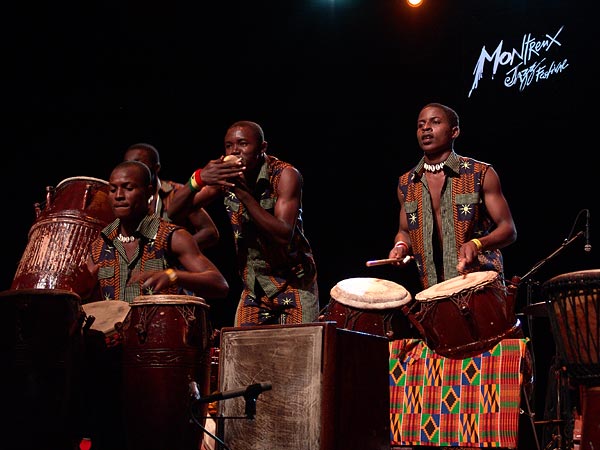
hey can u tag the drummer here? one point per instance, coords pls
(139, 253)
(465, 220)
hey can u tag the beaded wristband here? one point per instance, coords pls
(196, 182)
(172, 275)
(400, 244)
(478, 244)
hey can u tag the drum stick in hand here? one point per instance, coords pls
(380, 262)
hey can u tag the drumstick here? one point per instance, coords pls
(380, 262)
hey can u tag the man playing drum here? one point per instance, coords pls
(138, 254)
(454, 217)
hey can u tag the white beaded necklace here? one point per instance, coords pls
(125, 239)
(434, 168)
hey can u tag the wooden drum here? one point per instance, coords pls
(369, 305)
(66, 223)
(574, 311)
(465, 315)
(166, 346)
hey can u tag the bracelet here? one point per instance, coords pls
(400, 244)
(196, 182)
(172, 275)
(478, 244)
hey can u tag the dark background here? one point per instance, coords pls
(337, 86)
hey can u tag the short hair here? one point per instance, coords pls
(258, 131)
(150, 149)
(144, 170)
(451, 115)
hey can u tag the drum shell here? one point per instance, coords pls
(166, 345)
(41, 347)
(390, 323)
(73, 215)
(467, 323)
(574, 311)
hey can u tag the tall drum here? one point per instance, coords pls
(574, 311)
(166, 346)
(71, 217)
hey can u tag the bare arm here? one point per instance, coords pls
(215, 175)
(200, 274)
(206, 234)
(400, 251)
(503, 234)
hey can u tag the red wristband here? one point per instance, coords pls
(196, 182)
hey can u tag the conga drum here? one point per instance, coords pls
(465, 315)
(166, 346)
(40, 349)
(574, 311)
(107, 317)
(369, 305)
(71, 217)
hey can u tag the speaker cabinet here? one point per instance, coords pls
(330, 388)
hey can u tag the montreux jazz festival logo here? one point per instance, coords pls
(532, 64)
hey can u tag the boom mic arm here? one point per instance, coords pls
(250, 394)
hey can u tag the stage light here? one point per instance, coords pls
(414, 3)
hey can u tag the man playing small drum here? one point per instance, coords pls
(454, 217)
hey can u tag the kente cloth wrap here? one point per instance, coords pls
(279, 281)
(438, 401)
(464, 217)
(153, 237)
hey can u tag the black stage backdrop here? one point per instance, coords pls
(337, 85)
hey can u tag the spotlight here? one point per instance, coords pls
(414, 3)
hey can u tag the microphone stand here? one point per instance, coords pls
(526, 277)
(250, 394)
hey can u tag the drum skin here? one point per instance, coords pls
(107, 317)
(71, 218)
(166, 345)
(466, 315)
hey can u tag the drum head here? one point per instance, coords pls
(455, 285)
(71, 179)
(106, 313)
(167, 300)
(370, 293)
(567, 281)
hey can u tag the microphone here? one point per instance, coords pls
(250, 391)
(587, 247)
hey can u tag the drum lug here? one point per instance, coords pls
(141, 333)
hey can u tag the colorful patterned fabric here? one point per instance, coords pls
(280, 282)
(463, 215)
(115, 269)
(438, 401)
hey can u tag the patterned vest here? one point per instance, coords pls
(274, 267)
(464, 217)
(154, 235)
